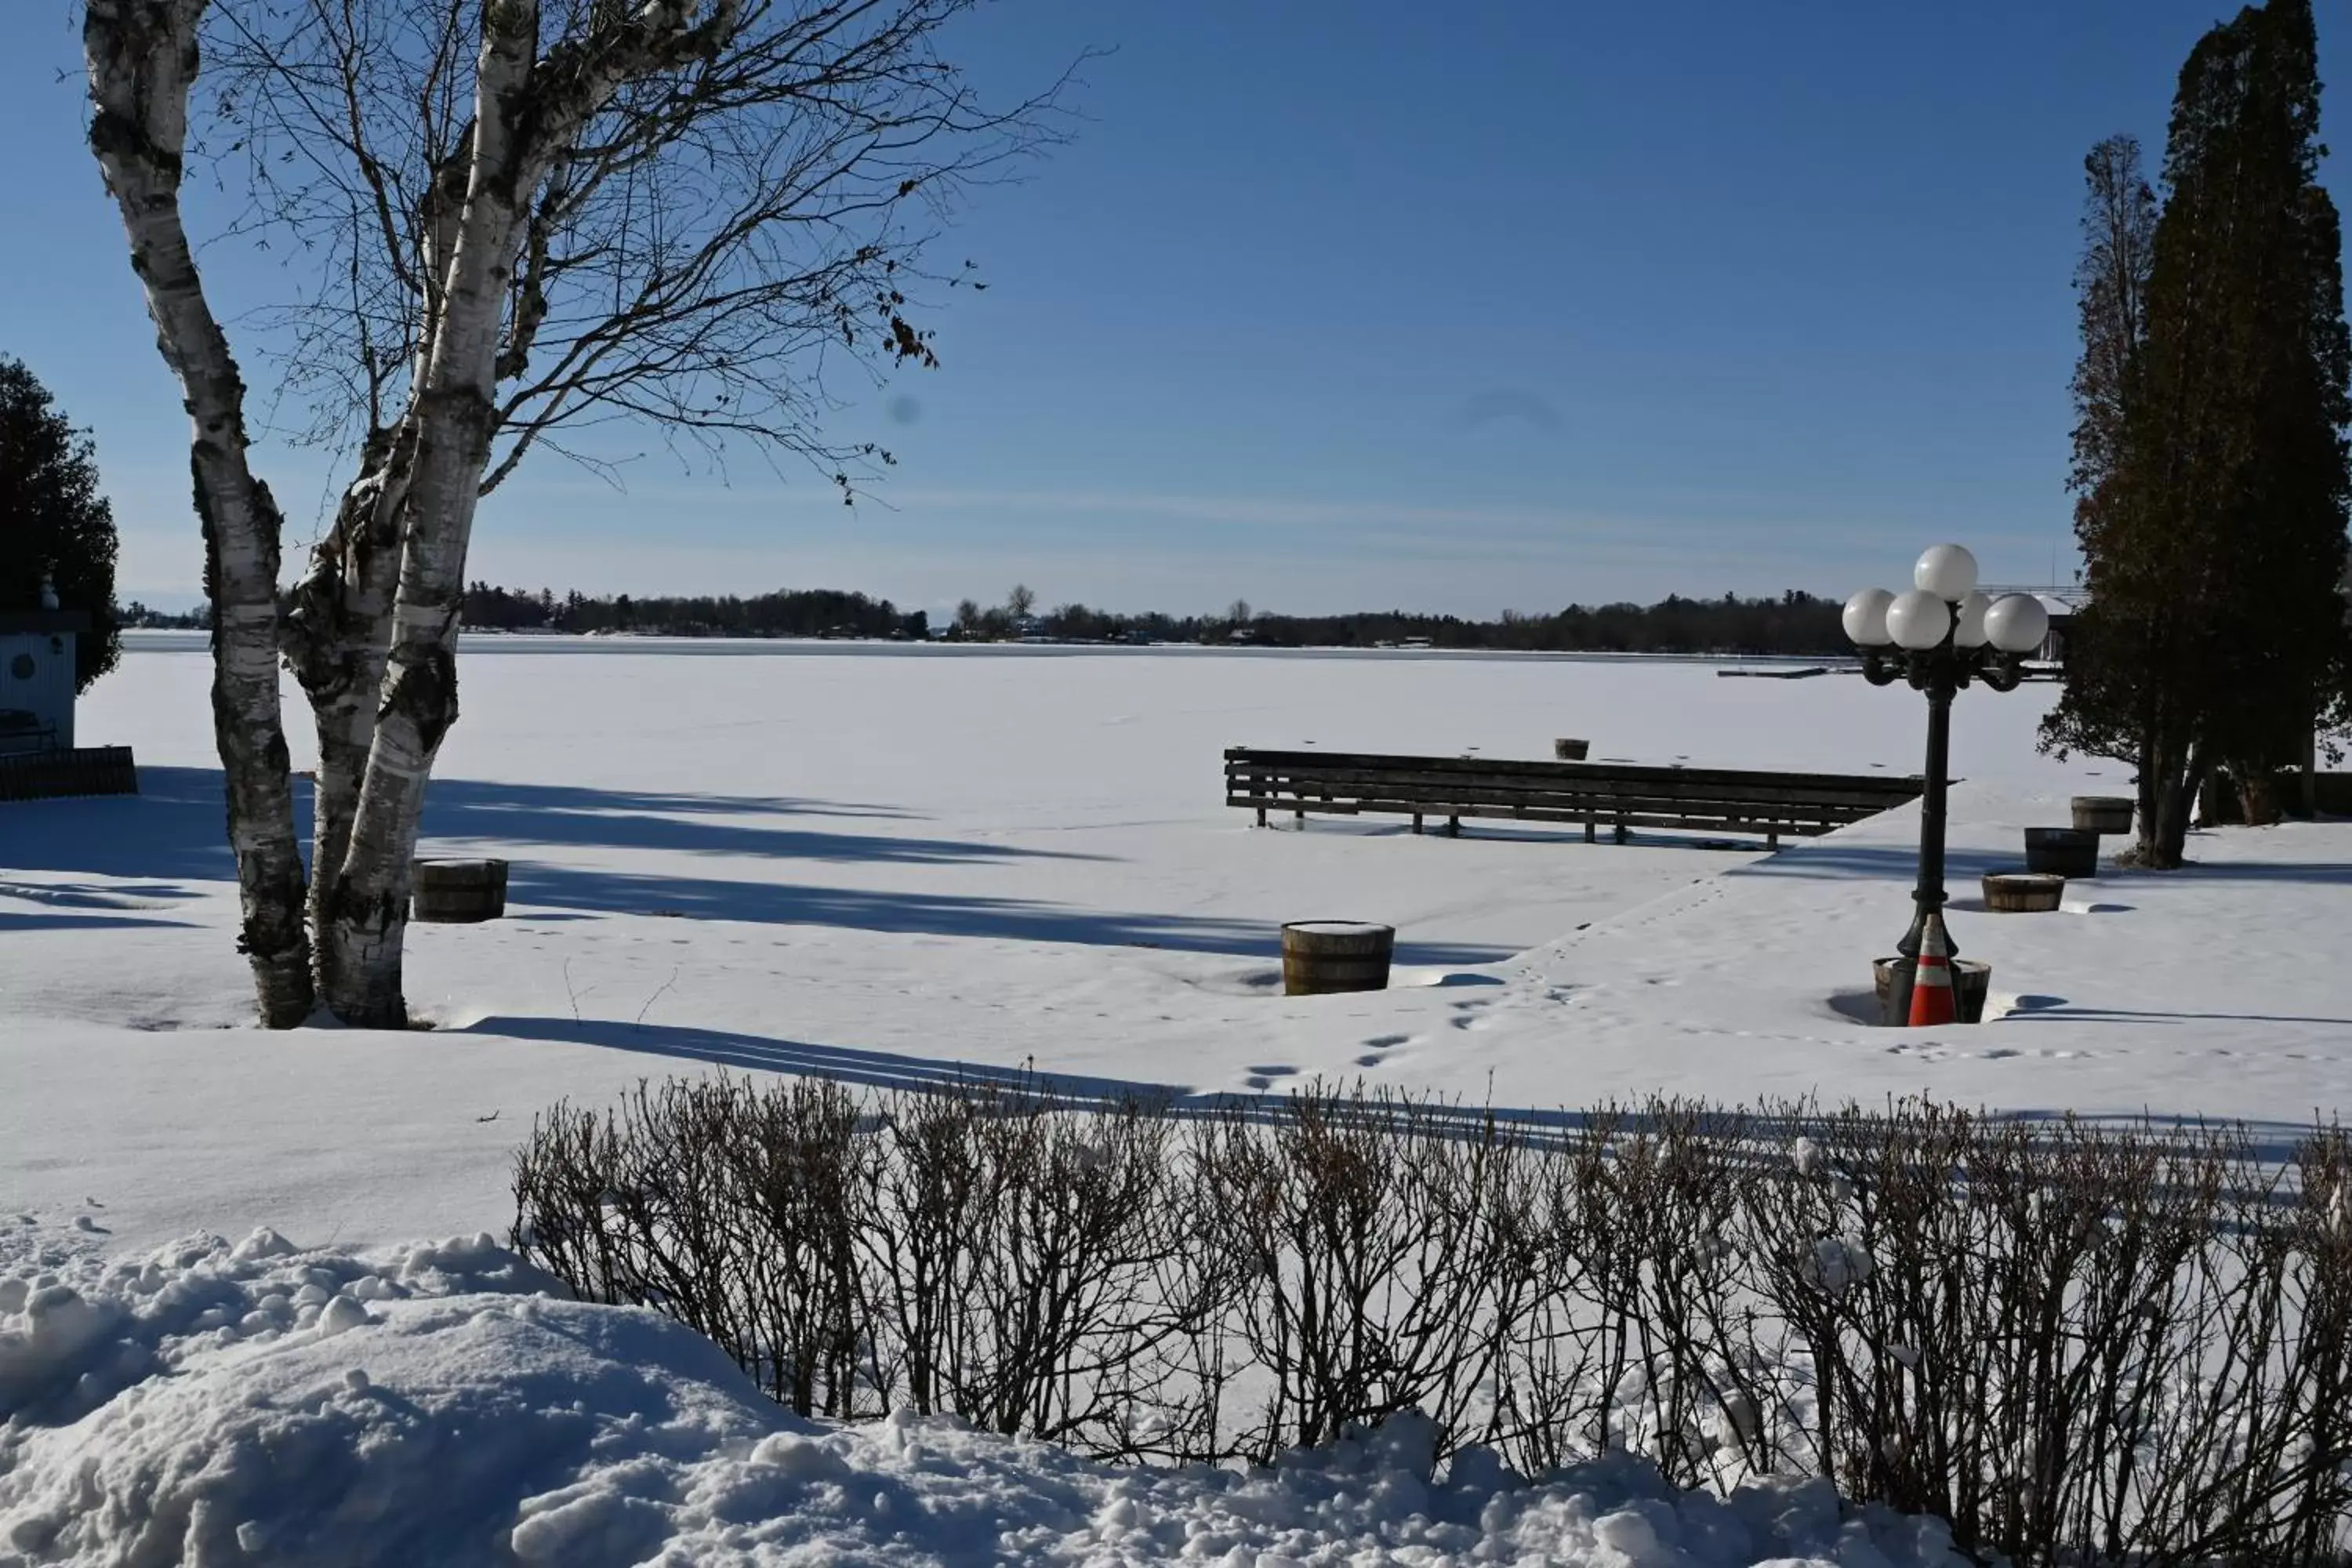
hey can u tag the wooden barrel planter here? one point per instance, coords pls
(457, 892)
(2103, 813)
(1569, 750)
(1319, 957)
(2062, 851)
(1971, 980)
(2023, 892)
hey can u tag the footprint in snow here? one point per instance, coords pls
(1382, 1042)
(1467, 1013)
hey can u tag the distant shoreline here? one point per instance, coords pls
(139, 641)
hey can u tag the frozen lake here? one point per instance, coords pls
(891, 863)
(1046, 793)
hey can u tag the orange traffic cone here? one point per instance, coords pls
(1931, 976)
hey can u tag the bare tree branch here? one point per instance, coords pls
(717, 191)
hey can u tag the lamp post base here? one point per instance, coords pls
(1971, 983)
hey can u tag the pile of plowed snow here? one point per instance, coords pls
(258, 1403)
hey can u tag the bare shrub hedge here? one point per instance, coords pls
(2076, 1343)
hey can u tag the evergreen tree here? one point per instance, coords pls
(53, 524)
(2108, 706)
(2211, 452)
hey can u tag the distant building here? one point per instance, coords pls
(36, 679)
(38, 755)
(2062, 605)
(2061, 625)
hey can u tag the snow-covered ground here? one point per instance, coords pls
(891, 864)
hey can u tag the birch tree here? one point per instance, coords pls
(521, 219)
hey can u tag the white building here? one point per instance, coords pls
(36, 679)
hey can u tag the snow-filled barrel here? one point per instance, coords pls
(1319, 957)
(2103, 812)
(457, 892)
(2023, 892)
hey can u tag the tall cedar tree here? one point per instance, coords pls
(2209, 450)
(2109, 707)
(52, 522)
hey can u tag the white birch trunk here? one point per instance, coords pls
(142, 59)
(453, 411)
(522, 125)
(337, 639)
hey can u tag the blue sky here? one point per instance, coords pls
(1351, 304)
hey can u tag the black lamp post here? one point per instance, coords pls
(1940, 636)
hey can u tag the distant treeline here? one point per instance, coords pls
(1793, 623)
(806, 613)
(136, 613)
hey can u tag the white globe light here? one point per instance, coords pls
(2017, 623)
(1970, 631)
(1865, 618)
(1918, 619)
(1947, 571)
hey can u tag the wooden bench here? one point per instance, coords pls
(21, 731)
(1618, 796)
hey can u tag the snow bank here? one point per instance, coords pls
(261, 1404)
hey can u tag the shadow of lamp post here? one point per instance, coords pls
(1943, 634)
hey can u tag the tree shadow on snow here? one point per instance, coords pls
(892, 1070)
(96, 895)
(174, 829)
(176, 826)
(12, 922)
(1499, 830)
(925, 914)
(1829, 857)
(1766, 1138)
(524, 813)
(2140, 1015)
(842, 1064)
